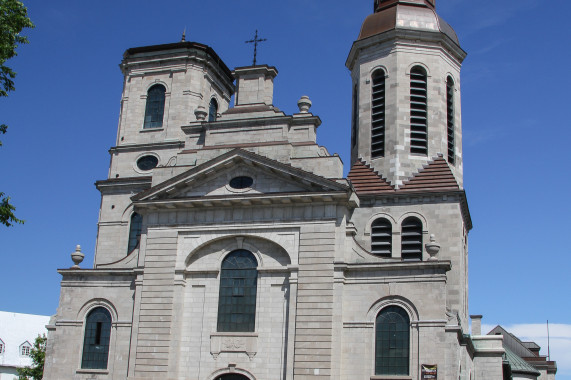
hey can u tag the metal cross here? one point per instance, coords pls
(255, 42)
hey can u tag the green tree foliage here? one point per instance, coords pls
(38, 355)
(13, 18)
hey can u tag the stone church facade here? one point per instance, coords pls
(232, 247)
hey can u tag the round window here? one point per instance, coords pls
(146, 163)
(241, 182)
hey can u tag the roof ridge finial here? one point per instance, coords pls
(183, 39)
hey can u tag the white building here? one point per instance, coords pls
(17, 335)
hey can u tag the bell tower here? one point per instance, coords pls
(405, 69)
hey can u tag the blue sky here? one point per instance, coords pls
(515, 87)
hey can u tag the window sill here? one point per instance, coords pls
(93, 371)
(144, 130)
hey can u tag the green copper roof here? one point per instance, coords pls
(519, 365)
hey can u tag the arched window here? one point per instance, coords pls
(96, 339)
(450, 119)
(381, 237)
(411, 239)
(355, 126)
(212, 110)
(155, 107)
(232, 376)
(238, 287)
(378, 115)
(392, 342)
(418, 111)
(135, 228)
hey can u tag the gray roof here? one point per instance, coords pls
(518, 365)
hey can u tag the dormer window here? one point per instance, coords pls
(2, 347)
(418, 111)
(155, 108)
(212, 110)
(25, 349)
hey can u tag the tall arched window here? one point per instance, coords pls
(135, 228)
(238, 287)
(378, 115)
(96, 339)
(411, 239)
(450, 119)
(418, 111)
(355, 122)
(212, 110)
(381, 237)
(392, 342)
(155, 107)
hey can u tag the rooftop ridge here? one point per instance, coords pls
(366, 180)
(433, 176)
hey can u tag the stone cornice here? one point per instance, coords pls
(143, 147)
(251, 121)
(403, 34)
(395, 265)
(249, 200)
(122, 183)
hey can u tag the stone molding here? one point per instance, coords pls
(241, 342)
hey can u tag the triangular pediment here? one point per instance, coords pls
(213, 180)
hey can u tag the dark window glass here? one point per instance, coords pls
(381, 237)
(450, 119)
(135, 232)
(241, 182)
(392, 341)
(411, 239)
(155, 107)
(212, 110)
(355, 127)
(147, 162)
(418, 111)
(96, 339)
(378, 115)
(238, 288)
(232, 376)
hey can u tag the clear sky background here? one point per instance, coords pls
(515, 100)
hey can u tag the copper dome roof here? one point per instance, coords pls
(405, 14)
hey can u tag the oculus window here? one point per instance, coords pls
(147, 163)
(238, 289)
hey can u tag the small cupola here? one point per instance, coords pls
(381, 4)
(255, 84)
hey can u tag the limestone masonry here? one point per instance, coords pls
(230, 246)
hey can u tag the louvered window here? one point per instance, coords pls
(392, 342)
(155, 107)
(238, 288)
(354, 126)
(378, 115)
(450, 118)
(418, 112)
(411, 239)
(96, 339)
(381, 237)
(213, 110)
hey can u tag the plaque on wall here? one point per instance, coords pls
(429, 372)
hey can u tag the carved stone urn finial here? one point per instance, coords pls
(304, 104)
(432, 248)
(200, 113)
(77, 257)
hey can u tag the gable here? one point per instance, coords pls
(212, 179)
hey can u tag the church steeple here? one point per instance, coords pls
(405, 67)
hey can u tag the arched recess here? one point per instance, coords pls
(400, 301)
(231, 373)
(377, 216)
(94, 303)
(267, 251)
